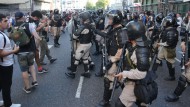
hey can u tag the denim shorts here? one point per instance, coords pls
(25, 59)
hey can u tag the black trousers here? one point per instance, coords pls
(6, 73)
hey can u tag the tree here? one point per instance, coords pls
(89, 5)
(102, 3)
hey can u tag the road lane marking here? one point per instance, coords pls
(79, 89)
(50, 46)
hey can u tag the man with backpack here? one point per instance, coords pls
(6, 64)
(27, 51)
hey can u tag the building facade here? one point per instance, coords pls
(74, 5)
(165, 6)
(11, 6)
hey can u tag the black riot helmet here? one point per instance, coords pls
(168, 21)
(99, 11)
(172, 14)
(135, 29)
(116, 16)
(159, 18)
(56, 11)
(85, 17)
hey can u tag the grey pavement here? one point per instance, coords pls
(56, 90)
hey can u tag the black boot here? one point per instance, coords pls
(182, 84)
(55, 43)
(105, 102)
(107, 94)
(72, 62)
(91, 67)
(72, 73)
(86, 73)
(58, 40)
(171, 72)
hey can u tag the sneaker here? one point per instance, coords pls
(27, 90)
(52, 60)
(15, 105)
(1, 103)
(35, 83)
(43, 70)
(40, 72)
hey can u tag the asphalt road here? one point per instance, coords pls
(56, 90)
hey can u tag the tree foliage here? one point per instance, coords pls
(102, 3)
(89, 5)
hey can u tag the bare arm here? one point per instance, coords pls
(4, 53)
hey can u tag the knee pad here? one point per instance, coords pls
(118, 103)
(85, 61)
(76, 62)
(106, 83)
(182, 81)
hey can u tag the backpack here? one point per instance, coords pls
(146, 90)
(19, 36)
(3, 45)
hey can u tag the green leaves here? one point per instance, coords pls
(100, 4)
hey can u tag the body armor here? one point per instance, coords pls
(84, 34)
(142, 54)
(170, 36)
(113, 44)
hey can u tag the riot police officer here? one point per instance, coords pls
(114, 49)
(155, 31)
(56, 24)
(100, 26)
(184, 79)
(168, 43)
(136, 64)
(126, 17)
(84, 34)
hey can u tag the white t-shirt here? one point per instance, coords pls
(180, 20)
(7, 60)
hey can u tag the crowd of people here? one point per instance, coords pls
(131, 45)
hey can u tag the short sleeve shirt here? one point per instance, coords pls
(7, 60)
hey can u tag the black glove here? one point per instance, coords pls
(108, 65)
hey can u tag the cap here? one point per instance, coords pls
(19, 15)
